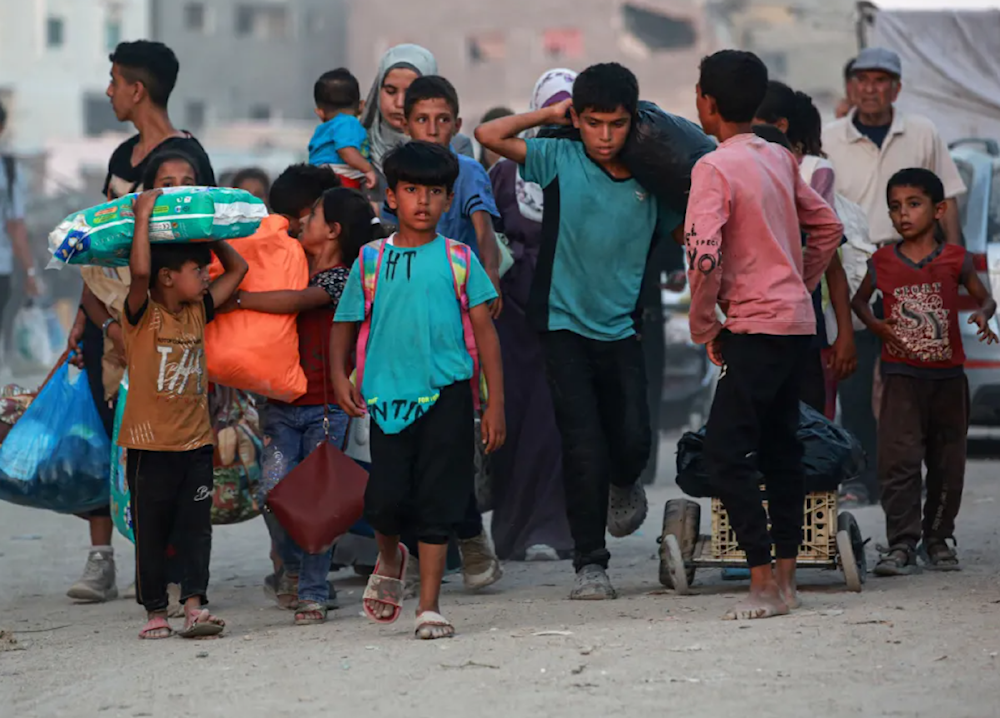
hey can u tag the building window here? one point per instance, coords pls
(54, 32)
(657, 31)
(98, 115)
(487, 47)
(777, 63)
(563, 43)
(194, 17)
(112, 34)
(195, 113)
(260, 113)
(264, 22)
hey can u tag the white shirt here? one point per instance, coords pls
(863, 170)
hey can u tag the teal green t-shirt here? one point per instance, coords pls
(596, 238)
(416, 346)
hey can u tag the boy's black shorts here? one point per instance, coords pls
(422, 477)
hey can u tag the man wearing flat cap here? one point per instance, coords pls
(867, 147)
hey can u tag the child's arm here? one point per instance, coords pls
(494, 423)
(707, 214)
(987, 306)
(285, 301)
(140, 261)
(861, 304)
(342, 339)
(844, 361)
(489, 252)
(823, 229)
(353, 158)
(235, 270)
(501, 135)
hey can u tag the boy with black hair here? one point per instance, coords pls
(749, 207)
(166, 426)
(598, 229)
(432, 115)
(341, 142)
(296, 190)
(925, 395)
(414, 377)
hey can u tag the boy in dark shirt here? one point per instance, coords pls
(925, 396)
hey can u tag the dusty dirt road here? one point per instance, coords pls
(926, 645)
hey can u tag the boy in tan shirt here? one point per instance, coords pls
(166, 425)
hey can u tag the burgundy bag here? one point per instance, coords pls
(323, 497)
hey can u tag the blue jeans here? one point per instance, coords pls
(290, 435)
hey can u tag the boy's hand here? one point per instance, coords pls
(349, 397)
(885, 332)
(371, 179)
(493, 428)
(844, 361)
(75, 335)
(142, 205)
(714, 348)
(559, 113)
(986, 334)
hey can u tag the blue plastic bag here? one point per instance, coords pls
(57, 455)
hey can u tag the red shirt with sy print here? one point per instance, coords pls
(922, 298)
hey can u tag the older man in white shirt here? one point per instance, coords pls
(867, 147)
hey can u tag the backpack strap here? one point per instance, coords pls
(460, 259)
(10, 174)
(370, 265)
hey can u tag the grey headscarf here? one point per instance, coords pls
(382, 137)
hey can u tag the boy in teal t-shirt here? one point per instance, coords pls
(417, 380)
(596, 239)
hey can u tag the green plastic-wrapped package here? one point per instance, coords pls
(102, 235)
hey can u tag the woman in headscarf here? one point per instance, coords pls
(529, 511)
(383, 114)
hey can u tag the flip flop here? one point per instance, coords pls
(387, 590)
(428, 621)
(307, 607)
(156, 624)
(204, 625)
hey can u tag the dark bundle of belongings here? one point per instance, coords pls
(831, 455)
(660, 152)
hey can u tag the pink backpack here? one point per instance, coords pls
(459, 258)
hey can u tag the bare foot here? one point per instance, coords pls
(156, 628)
(761, 603)
(390, 568)
(784, 576)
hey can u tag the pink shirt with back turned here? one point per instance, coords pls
(746, 215)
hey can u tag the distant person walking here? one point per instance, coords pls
(867, 147)
(13, 231)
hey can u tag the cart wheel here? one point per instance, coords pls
(851, 551)
(675, 565)
(681, 519)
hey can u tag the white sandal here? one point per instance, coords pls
(428, 621)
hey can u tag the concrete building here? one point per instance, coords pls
(248, 59)
(54, 64)
(494, 52)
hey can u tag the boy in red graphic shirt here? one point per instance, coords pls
(925, 396)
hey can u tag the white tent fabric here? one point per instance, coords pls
(951, 65)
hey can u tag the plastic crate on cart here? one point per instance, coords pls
(819, 531)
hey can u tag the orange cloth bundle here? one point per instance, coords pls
(252, 351)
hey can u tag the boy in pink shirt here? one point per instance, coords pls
(743, 231)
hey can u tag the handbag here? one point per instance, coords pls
(324, 496)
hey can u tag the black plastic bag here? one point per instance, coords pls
(831, 455)
(660, 152)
